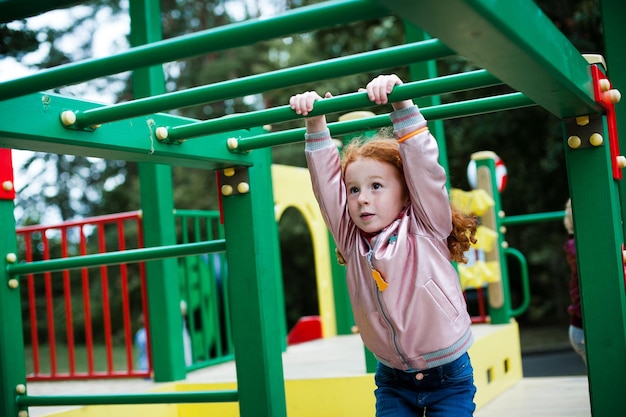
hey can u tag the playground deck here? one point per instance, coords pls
(343, 356)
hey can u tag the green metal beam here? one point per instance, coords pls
(249, 32)
(32, 123)
(516, 42)
(259, 83)
(11, 10)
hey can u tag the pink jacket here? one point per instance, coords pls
(420, 321)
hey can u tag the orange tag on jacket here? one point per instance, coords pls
(380, 282)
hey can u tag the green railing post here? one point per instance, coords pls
(157, 205)
(254, 270)
(599, 239)
(12, 362)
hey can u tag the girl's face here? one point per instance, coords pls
(375, 193)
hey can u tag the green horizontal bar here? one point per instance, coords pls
(332, 68)
(111, 399)
(439, 85)
(213, 214)
(533, 218)
(441, 112)
(11, 10)
(478, 106)
(115, 258)
(303, 19)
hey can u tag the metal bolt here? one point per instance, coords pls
(574, 142)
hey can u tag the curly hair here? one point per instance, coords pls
(382, 147)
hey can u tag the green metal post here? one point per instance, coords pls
(599, 238)
(426, 71)
(12, 363)
(157, 205)
(343, 309)
(254, 268)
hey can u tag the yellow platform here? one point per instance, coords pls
(323, 378)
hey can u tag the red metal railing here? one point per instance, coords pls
(94, 235)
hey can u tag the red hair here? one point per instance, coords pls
(382, 147)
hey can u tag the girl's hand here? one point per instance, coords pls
(380, 87)
(303, 103)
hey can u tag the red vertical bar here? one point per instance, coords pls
(49, 306)
(144, 293)
(106, 308)
(481, 304)
(67, 292)
(125, 303)
(32, 306)
(87, 305)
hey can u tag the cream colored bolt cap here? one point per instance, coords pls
(604, 84)
(614, 96)
(227, 189)
(243, 187)
(574, 142)
(229, 172)
(596, 139)
(13, 283)
(68, 118)
(7, 185)
(162, 133)
(582, 120)
(11, 258)
(232, 143)
(621, 161)
(20, 388)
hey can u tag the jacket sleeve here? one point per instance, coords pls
(325, 169)
(425, 177)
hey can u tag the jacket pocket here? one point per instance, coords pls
(441, 299)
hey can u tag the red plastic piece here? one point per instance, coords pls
(306, 329)
(603, 99)
(6, 175)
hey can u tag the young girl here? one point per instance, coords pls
(387, 208)
(576, 332)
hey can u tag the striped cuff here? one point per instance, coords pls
(318, 140)
(409, 117)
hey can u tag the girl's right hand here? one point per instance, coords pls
(303, 103)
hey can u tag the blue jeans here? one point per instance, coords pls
(577, 340)
(444, 391)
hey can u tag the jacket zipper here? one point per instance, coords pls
(370, 253)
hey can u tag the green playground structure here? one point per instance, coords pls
(513, 42)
